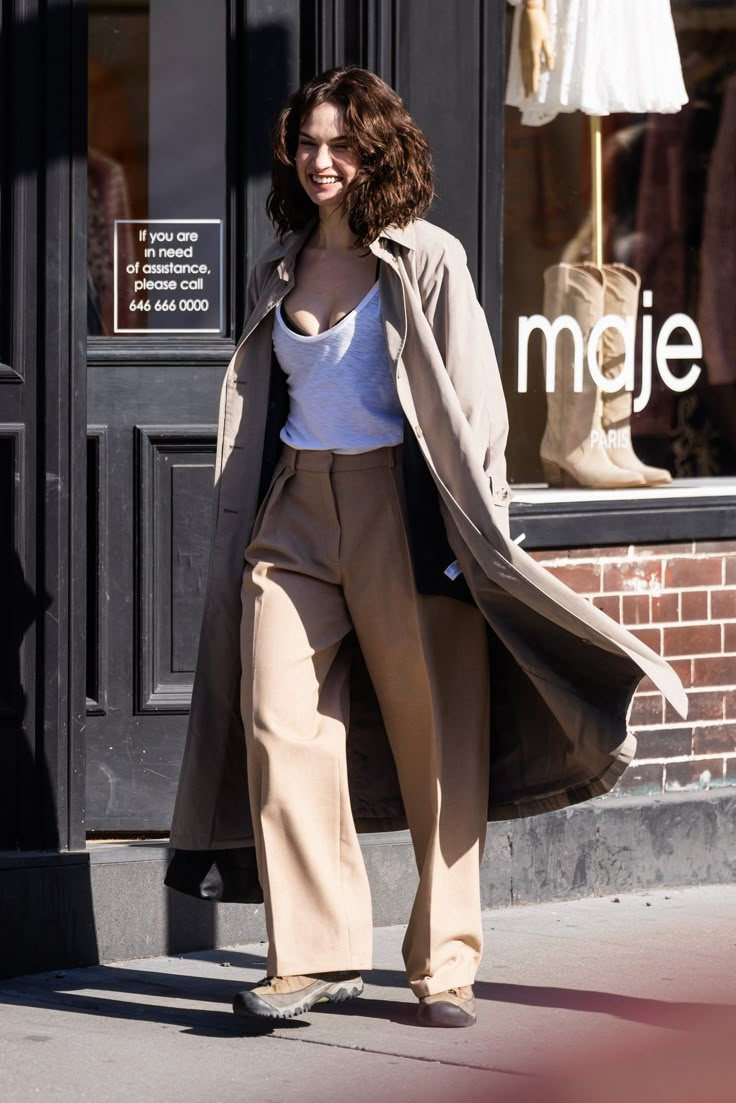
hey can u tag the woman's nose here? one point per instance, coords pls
(322, 158)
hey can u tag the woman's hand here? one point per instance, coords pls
(534, 44)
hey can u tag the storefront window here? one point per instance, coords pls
(156, 166)
(650, 392)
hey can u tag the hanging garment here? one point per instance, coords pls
(107, 195)
(716, 320)
(609, 56)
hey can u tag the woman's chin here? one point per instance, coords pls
(327, 204)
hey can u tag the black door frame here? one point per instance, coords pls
(42, 409)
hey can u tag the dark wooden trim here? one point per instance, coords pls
(151, 694)
(77, 510)
(379, 38)
(644, 520)
(16, 646)
(98, 555)
(51, 152)
(157, 350)
(15, 432)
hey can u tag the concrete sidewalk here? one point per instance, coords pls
(589, 1000)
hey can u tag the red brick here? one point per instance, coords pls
(584, 578)
(687, 775)
(723, 604)
(730, 778)
(729, 638)
(704, 705)
(683, 668)
(579, 553)
(729, 704)
(665, 607)
(690, 573)
(634, 576)
(665, 742)
(609, 604)
(635, 608)
(730, 577)
(692, 639)
(641, 779)
(714, 738)
(666, 549)
(550, 553)
(598, 553)
(694, 605)
(652, 637)
(707, 547)
(718, 670)
(647, 709)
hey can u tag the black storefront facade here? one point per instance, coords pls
(107, 414)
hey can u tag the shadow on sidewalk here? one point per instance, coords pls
(94, 991)
(673, 1014)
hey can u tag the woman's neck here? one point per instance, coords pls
(333, 233)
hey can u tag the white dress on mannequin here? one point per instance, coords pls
(610, 55)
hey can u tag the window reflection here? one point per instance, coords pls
(156, 127)
(670, 217)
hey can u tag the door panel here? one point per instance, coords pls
(149, 536)
(175, 472)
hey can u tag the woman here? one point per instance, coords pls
(386, 411)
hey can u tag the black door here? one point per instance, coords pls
(181, 97)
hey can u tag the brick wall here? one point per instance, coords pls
(681, 600)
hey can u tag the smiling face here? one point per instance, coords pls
(325, 164)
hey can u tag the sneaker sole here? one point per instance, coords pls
(249, 1006)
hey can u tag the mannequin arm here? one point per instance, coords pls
(534, 44)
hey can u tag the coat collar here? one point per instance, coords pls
(285, 249)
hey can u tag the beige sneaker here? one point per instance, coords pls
(284, 997)
(456, 1007)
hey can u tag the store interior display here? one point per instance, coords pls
(621, 299)
(662, 221)
(571, 450)
(117, 157)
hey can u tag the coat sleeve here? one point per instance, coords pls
(253, 290)
(461, 332)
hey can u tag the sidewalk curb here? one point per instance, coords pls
(109, 903)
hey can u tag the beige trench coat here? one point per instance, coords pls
(562, 673)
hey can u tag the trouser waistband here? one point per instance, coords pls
(309, 459)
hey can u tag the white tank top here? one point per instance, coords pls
(341, 387)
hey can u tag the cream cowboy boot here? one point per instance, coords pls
(573, 451)
(622, 298)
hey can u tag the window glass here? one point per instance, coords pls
(652, 391)
(156, 166)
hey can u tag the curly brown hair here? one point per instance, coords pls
(394, 182)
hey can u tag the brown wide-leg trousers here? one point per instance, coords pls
(329, 553)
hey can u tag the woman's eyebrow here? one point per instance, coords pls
(336, 138)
